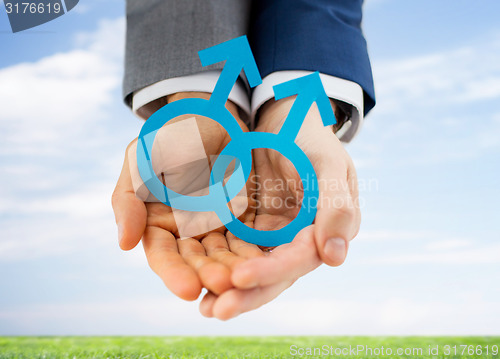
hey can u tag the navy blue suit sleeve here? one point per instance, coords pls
(313, 35)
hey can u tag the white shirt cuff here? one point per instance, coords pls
(200, 82)
(335, 88)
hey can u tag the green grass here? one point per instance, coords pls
(236, 347)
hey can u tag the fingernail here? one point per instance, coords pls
(120, 233)
(335, 249)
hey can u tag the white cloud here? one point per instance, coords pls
(448, 244)
(480, 255)
(47, 105)
(393, 315)
(48, 226)
(59, 162)
(413, 247)
(157, 315)
(435, 108)
(391, 235)
(452, 77)
(82, 9)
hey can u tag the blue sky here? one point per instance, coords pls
(427, 259)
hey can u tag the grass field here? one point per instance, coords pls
(248, 347)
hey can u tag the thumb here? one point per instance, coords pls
(337, 220)
(130, 211)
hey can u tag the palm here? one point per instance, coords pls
(197, 241)
(182, 155)
(277, 202)
(260, 280)
(187, 250)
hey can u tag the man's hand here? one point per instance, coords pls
(185, 265)
(260, 280)
(218, 260)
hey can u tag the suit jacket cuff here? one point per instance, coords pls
(199, 82)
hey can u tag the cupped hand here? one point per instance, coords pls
(187, 251)
(260, 280)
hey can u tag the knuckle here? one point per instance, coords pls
(347, 211)
(132, 143)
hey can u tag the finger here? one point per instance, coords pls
(337, 220)
(165, 260)
(130, 212)
(335, 227)
(352, 181)
(242, 248)
(217, 248)
(286, 262)
(207, 304)
(229, 250)
(215, 276)
(237, 301)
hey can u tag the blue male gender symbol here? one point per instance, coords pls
(238, 56)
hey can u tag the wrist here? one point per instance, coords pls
(147, 110)
(273, 113)
(231, 106)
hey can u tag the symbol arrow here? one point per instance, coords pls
(238, 56)
(309, 90)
